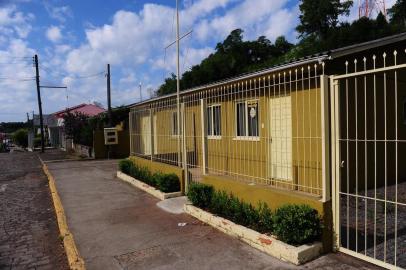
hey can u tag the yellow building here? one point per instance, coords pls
(328, 130)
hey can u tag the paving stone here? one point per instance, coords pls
(28, 229)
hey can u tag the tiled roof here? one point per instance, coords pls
(86, 109)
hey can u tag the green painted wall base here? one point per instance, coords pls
(275, 198)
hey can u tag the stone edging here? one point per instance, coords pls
(265, 243)
(75, 261)
(147, 188)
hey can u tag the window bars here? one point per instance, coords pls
(264, 130)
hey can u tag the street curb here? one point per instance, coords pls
(74, 259)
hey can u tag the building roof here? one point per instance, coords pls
(86, 109)
(319, 57)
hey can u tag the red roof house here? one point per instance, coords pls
(86, 109)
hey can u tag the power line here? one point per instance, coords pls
(73, 77)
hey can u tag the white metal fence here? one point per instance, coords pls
(368, 158)
(270, 129)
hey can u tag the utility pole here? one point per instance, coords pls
(178, 81)
(28, 118)
(109, 95)
(41, 122)
(140, 91)
(177, 41)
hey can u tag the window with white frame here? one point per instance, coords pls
(175, 124)
(247, 118)
(214, 121)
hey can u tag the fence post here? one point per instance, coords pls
(151, 123)
(184, 148)
(325, 138)
(203, 113)
(130, 129)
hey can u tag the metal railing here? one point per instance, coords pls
(268, 130)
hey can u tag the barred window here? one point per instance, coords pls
(247, 118)
(214, 120)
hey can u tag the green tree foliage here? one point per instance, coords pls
(232, 57)
(118, 115)
(398, 14)
(78, 128)
(20, 137)
(319, 17)
(319, 30)
(10, 127)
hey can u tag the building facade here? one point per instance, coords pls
(328, 130)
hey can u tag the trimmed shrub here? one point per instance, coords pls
(200, 194)
(297, 224)
(167, 182)
(125, 165)
(265, 224)
(164, 182)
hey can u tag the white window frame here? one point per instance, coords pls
(246, 137)
(211, 136)
(174, 125)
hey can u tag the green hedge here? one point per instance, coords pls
(293, 224)
(164, 182)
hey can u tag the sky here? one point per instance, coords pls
(76, 39)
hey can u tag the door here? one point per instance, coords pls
(145, 134)
(281, 138)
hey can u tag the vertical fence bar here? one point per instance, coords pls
(203, 112)
(184, 148)
(325, 135)
(151, 123)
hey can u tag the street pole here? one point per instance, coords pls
(178, 81)
(140, 91)
(41, 122)
(109, 95)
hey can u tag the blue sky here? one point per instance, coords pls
(76, 39)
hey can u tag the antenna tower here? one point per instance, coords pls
(371, 8)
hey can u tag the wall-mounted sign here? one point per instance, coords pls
(253, 112)
(110, 136)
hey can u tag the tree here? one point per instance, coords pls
(20, 137)
(169, 86)
(232, 57)
(78, 128)
(318, 17)
(398, 14)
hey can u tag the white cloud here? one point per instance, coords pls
(54, 34)
(59, 13)
(15, 22)
(133, 43)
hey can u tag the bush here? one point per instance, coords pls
(37, 141)
(200, 194)
(265, 224)
(167, 182)
(297, 224)
(125, 166)
(164, 182)
(20, 137)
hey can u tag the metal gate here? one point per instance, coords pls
(368, 132)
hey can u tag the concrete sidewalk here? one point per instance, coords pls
(116, 226)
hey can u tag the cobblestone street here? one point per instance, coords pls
(29, 236)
